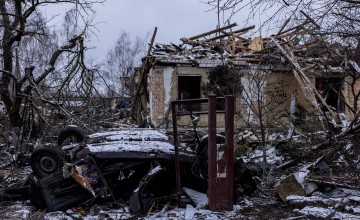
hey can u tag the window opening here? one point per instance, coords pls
(330, 89)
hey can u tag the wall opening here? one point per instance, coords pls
(189, 87)
(330, 89)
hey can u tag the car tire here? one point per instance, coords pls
(76, 133)
(46, 160)
(36, 197)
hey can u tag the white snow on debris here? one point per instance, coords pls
(132, 146)
(354, 198)
(316, 211)
(200, 199)
(345, 123)
(155, 170)
(70, 215)
(326, 213)
(17, 211)
(322, 200)
(129, 134)
(351, 192)
(271, 156)
(354, 209)
(194, 213)
(190, 212)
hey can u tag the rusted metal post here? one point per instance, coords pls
(176, 145)
(212, 151)
(229, 143)
(221, 158)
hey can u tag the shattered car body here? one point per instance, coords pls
(128, 164)
(135, 165)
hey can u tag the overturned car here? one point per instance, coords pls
(135, 165)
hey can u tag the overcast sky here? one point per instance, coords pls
(174, 19)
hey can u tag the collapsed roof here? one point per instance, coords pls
(230, 46)
(298, 50)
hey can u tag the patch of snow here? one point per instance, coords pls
(301, 175)
(316, 211)
(190, 212)
(344, 122)
(340, 215)
(271, 156)
(132, 134)
(354, 209)
(317, 199)
(200, 199)
(132, 146)
(354, 198)
(325, 213)
(17, 211)
(155, 170)
(70, 215)
(351, 192)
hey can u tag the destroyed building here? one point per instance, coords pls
(291, 70)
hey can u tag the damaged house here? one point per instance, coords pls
(291, 73)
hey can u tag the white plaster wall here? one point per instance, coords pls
(150, 95)
(168, 83)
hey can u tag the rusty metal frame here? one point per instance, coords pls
(191, 106)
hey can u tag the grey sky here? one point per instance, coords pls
(174, 19)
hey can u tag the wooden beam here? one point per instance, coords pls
(294, 28)
(306, 87)
(142, 73)
(212, 32)
(237, 32)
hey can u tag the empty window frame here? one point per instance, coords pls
(330, 89)
(189, 87)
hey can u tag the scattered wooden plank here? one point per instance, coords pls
(238, 33)
(310, 93)
(212, 31)
(256, 44)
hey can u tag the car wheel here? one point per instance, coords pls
(73, 133)
(46, 160)
(36, 197)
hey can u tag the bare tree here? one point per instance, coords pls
(338, 18)
(331, 27)
(121, 61)
(263, 100)
(20, 24)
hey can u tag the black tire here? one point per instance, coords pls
(46, 160)
(72, 132)
(36, 196)
(202, 154)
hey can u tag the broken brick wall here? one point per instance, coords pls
(164, 88)
(282, 93)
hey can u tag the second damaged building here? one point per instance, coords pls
(284, 75)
